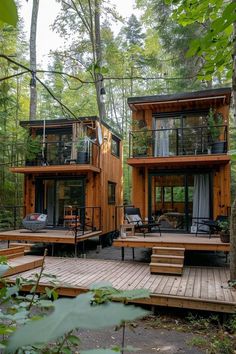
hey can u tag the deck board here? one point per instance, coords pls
(47, 236)
(188, 241)
(197, 288)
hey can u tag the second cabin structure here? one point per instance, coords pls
(73, 167)
(178, 154)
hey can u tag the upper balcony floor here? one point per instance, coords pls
(66, 146)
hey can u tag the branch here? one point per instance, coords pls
(11, 76)
(56, 99)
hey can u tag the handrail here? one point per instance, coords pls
(58, 152)
(86, 217)
(195, 140)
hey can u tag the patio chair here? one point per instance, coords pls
(133, 216)
(213, 225)
(35, 222)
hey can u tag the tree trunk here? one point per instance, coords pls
(233, 209)
(98, 49)
(33, 30)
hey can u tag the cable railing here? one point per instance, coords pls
(11, 217)
(196, 140)
(64, 153)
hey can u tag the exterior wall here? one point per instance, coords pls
(221, 175)
(221, 191)
(96, 186)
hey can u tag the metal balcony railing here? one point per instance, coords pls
(64, 153)
(196, 140)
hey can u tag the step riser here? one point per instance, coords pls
(166, 259)
(168, 252)
(165, 270)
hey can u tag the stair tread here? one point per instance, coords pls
(171, 265)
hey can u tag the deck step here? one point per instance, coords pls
(12, 250)
(27, 246)
(168, 251)
(163, 258)
(15, 255)
(166, 268)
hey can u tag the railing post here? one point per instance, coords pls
(14, 216)
(130, 144)
(177, 142)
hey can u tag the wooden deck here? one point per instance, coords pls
(47, 236)
(188, 241)
(198, 288)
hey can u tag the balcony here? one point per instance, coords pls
(177, 141)
(181, 145)
(62, 156)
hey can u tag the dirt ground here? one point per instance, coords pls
(144, 337)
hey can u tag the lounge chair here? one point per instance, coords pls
(35, 222)
(212, 225)
(133, 216)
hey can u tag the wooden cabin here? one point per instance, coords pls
(178, 152)
(73, 166)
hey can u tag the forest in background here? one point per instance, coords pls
(147, 57)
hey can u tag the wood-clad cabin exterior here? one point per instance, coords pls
(79, 164)
(178, 152)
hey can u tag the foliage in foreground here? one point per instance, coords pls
(33, 324)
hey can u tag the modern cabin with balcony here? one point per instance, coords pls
(73, 166)
(178, 153)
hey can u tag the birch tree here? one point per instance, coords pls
(33, 61)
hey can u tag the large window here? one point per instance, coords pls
(115, 146)
(111, 193)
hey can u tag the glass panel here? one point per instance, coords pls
(168, 201)
(68, 193)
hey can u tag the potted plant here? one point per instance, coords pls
(215, 122)
(33, 148)
(141, 142)
(83, 150)
(224, 227)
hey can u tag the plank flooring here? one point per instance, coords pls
(188, 241)
(198, 288)
(46, 236)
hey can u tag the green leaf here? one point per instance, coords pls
(70, 314)
(73, 339)
(8, 12)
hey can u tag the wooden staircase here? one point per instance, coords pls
(167, 260)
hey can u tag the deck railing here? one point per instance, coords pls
(11, 216)
(64, 153)
(85, 219)
(196, 140)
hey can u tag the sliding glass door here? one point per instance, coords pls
(54, 195)
(177, 199)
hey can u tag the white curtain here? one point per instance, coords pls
(161, 147)
(201, 201)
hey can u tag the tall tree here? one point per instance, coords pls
(33, 61)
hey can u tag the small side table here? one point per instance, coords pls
(128, 229)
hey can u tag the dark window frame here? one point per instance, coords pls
(111, 192)
(115, 140)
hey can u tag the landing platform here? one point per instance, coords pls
(47, 236)
(188, 241)
(198, 288)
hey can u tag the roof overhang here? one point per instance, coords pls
(193, 100)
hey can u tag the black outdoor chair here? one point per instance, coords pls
(133, 216)
(213, 225)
